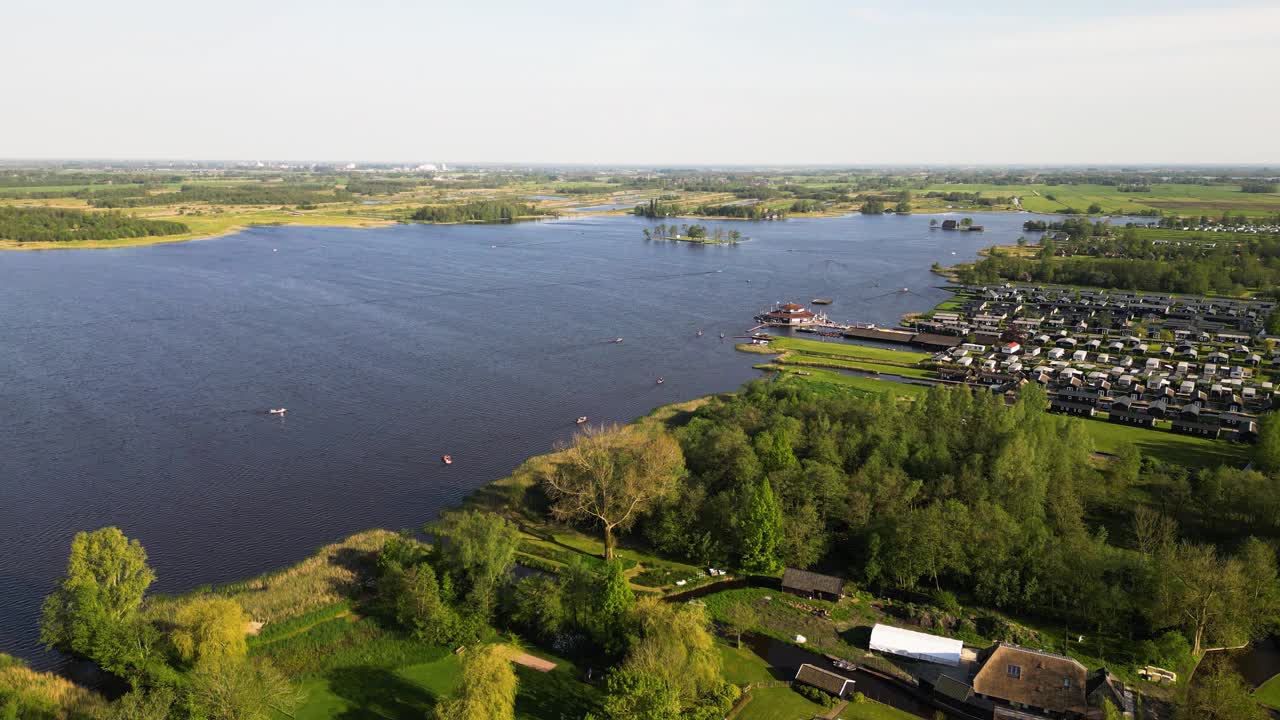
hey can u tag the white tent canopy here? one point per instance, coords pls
(916, 645)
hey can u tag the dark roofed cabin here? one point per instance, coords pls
(824, 680)
(812, 584)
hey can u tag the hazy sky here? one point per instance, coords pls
(784, 81)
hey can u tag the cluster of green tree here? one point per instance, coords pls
(1130, 262)
(247, 194)
(576, 190)
(657, 209)
(41, 224)
(872, 206)
(1258, 187)
(753, 211)
(955, 491)
(1134, 188)
(185, 659)
(970, 198)
(666, 662)
(447, 593)
(380, 186)
(483, 211)
(1075, 228)
(804, 206)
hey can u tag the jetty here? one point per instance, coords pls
(800, 318)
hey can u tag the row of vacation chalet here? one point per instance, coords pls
(1209, 382)
(1036, 308)
(1001, 682)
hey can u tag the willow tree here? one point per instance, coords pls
(92, 609)
(487, 690)
(611, 476)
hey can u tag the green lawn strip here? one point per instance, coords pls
(1188, 450)
(807, 360)
(849, 382)
(276, 632)
(780, 703)
(841, 349)
(1268, 693)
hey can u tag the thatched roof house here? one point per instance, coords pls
(1032, 679)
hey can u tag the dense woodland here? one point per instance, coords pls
(246, 194)
(58, 225)
(1003, 506)
(483, 211)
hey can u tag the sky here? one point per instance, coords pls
(746, 82)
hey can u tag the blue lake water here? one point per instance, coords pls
(135, 381)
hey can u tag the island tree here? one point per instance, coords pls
(93, 612)
(611, 477)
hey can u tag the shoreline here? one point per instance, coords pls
(368, 223)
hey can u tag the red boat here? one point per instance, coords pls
(448, 459)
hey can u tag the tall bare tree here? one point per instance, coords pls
(612, 476)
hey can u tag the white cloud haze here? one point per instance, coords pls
(666, 82)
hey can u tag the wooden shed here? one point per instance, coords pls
(824, 680)
(812, 584)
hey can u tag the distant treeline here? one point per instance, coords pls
(379, 186)
(656, 209)
(484, 211)
(756, 211)
(43, 179)
(1075, 228)
(60, 225)
(970, 198)
(249, 194)
(1258, 187)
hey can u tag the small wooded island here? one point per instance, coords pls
(693, 233)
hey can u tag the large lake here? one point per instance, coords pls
(134, 383)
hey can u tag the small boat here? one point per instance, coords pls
(660, 381)
(721, 336)
(446, 459)
(617, 340)
(699, 333)
(278, 411)
(821, 301)
(581, 419)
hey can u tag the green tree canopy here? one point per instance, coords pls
(96, 601)
(238, 688)
(479, 548)
(487, 690)
(613, 476)
(209, 627)
(761, 529)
